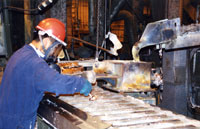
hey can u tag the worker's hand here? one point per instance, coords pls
(87, 87)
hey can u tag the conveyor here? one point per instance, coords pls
(110, 111)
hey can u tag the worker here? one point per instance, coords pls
(27, 77)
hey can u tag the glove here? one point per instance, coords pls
(87, 87)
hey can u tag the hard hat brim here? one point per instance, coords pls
(42, 32)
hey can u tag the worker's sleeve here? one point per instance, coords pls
(48, 79)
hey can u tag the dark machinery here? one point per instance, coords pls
(179, 50)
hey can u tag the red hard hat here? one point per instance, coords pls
(54, 28)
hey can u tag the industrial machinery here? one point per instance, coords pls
(109, 111)
(112, 108)
(179, 46)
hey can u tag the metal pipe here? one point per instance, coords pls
(88, 43)
(105, 27)
(197, 14)
(6, 27)
(116, 10)
(128, 25)
(181, 10)
(98, 29)
(91, 4)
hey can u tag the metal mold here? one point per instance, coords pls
(128, 75)
(121, 75)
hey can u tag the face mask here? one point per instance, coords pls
(52, 52)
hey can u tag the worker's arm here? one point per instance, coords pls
(47, 79)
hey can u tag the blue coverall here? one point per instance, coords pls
(25, 79)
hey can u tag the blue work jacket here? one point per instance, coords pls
(24, 82)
